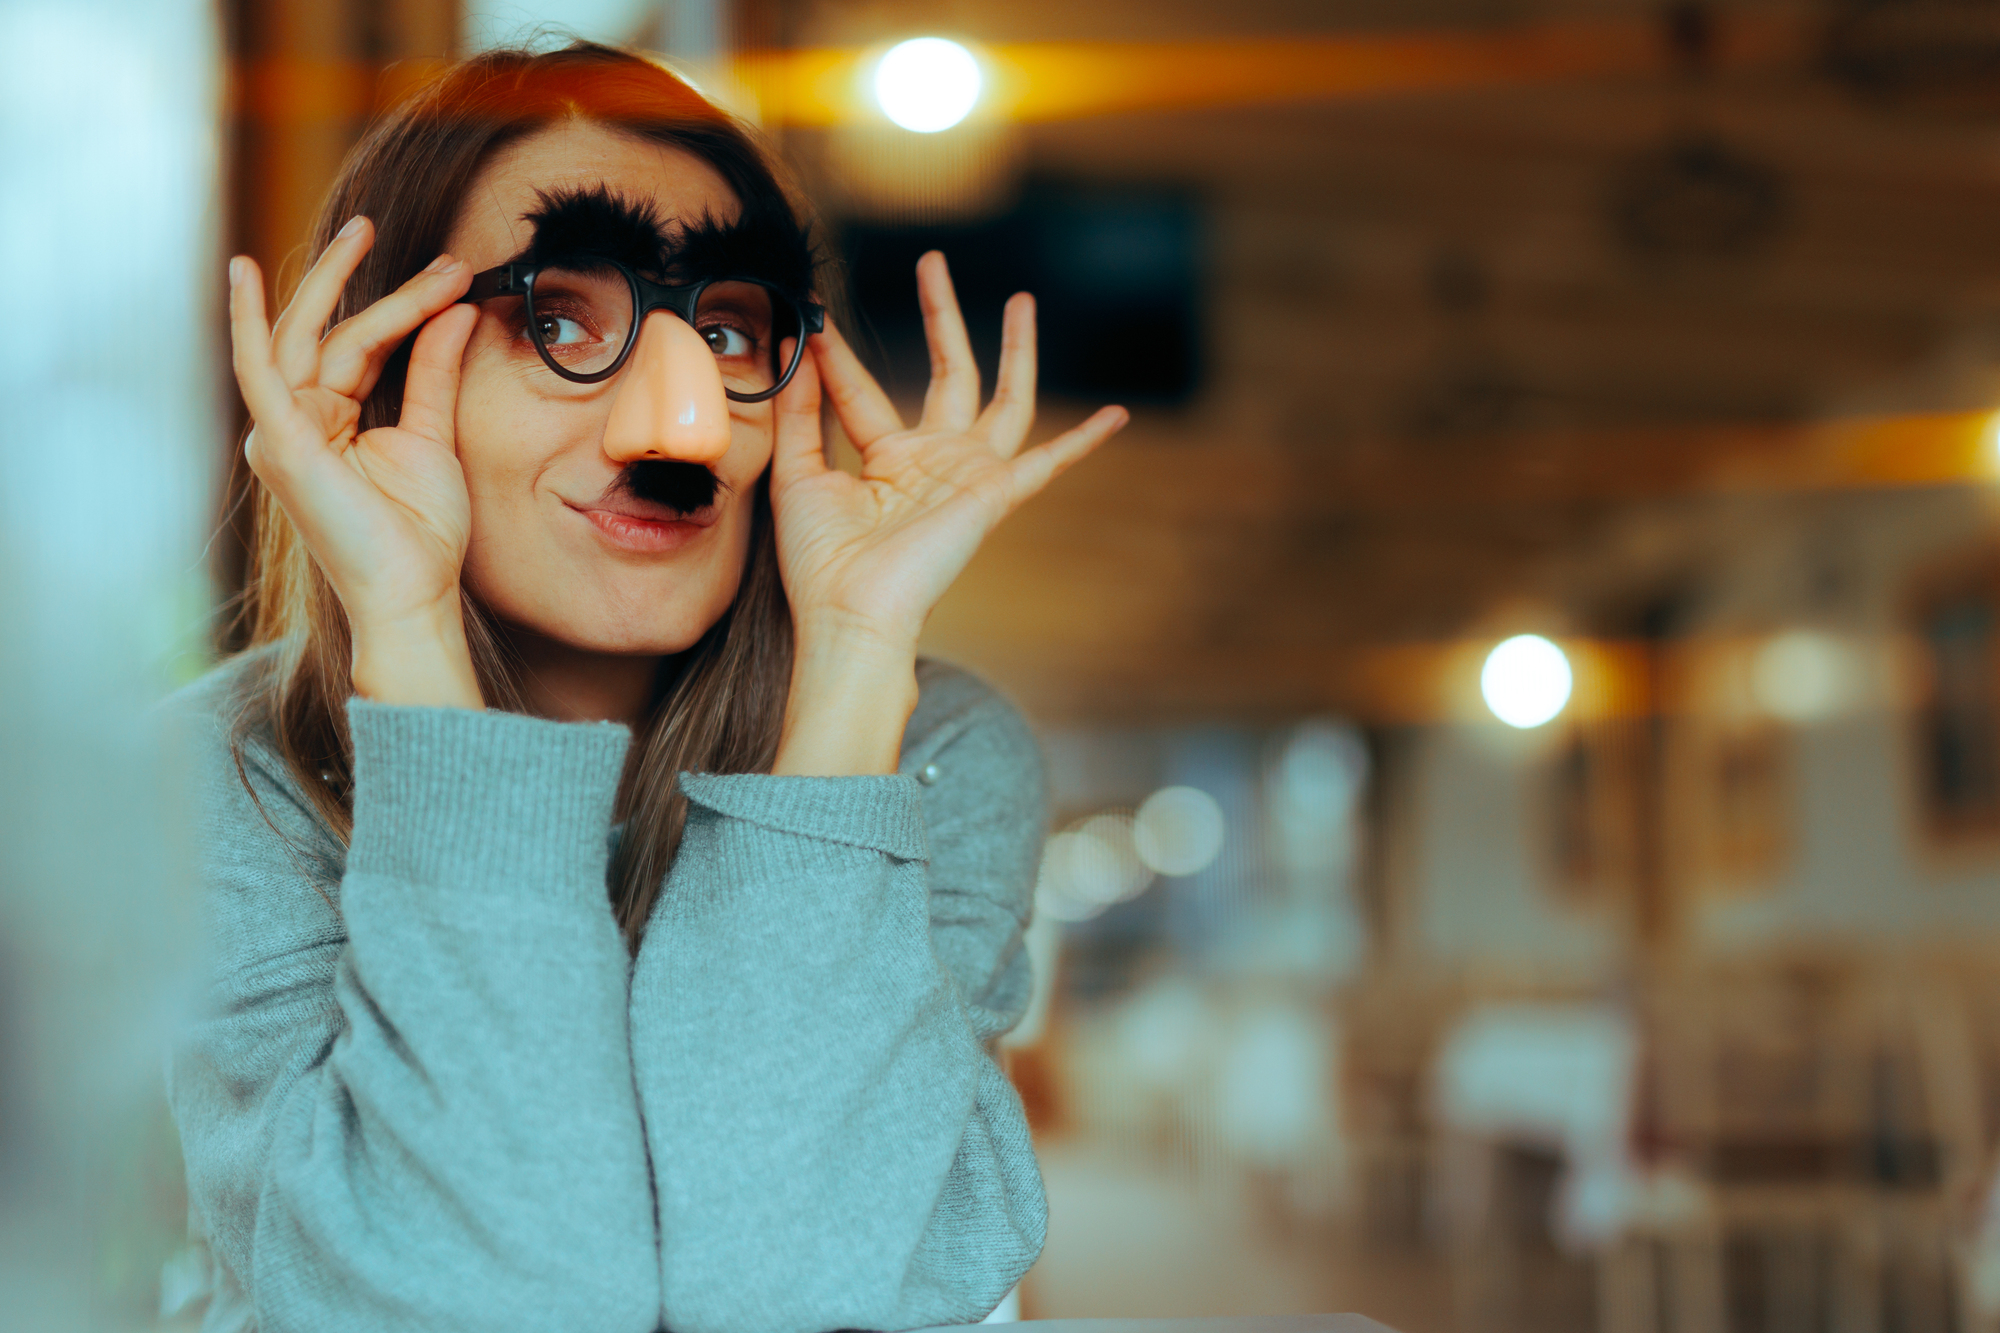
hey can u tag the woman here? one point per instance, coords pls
(564, 597)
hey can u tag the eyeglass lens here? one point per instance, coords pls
(583, 319)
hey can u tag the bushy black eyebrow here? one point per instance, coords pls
(593, 223)
(764, 245)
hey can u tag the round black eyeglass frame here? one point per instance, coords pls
(647, 296)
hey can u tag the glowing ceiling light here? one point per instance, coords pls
(1526, 681)
(927, 84)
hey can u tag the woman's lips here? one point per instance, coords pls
(638, 531)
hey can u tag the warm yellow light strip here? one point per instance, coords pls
(1041, 81)
(1857, 453)
(1936, 450)
(1439, 681)
(820, 86)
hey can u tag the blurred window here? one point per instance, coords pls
(1748, 805)
(1589, 823)
(1959, 722)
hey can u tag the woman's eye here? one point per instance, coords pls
(726, 340)
(559, 332)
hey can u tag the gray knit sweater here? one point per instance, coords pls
(432, 1091)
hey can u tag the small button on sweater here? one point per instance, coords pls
(432, 1090)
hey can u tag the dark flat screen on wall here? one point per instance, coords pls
(1117, 278)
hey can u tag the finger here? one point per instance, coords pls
(265, 392)
(797, 453)
(865, 412)
(952, 402)
(430, 394)
(1005, 422)
(1039, 466)
(352, 356)
(296, 337)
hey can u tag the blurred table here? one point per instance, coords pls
(1291, 1323)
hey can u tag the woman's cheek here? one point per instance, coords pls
(752, 439)
(498, 425)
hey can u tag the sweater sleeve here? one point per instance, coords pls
(410, 1102)
(833, 1145)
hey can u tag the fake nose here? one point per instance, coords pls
(669, 401)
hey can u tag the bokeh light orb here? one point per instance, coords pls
(927, 84)
(1088, 867)
(1178, 831)
(1526, 681)
(1119, 873)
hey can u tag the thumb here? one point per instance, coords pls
(430, 392)
(797, 451)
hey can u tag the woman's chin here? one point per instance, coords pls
(609, 616)
(623, 641)
(600, 636)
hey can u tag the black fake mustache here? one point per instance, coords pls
(681, 487)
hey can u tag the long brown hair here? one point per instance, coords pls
(717, 707)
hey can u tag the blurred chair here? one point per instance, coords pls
(1390, 1031)
(1761, 1095)
(1959, 1038)
(1806, 1125)
(1534, 1105)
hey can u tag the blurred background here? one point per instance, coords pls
(1522, 699)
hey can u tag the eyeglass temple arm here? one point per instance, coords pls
(506, 280)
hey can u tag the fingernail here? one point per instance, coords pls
(440, 264)
(236, 270)
(353, 227)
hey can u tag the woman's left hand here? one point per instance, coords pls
(865, 558)
(873, 554)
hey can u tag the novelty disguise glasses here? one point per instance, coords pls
(584, 315)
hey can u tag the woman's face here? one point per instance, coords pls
(561, 546)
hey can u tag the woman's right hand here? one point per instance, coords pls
(385, 511)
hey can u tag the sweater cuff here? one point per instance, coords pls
(478, 800)
(881, 813)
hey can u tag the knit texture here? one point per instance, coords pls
(432, 1090)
